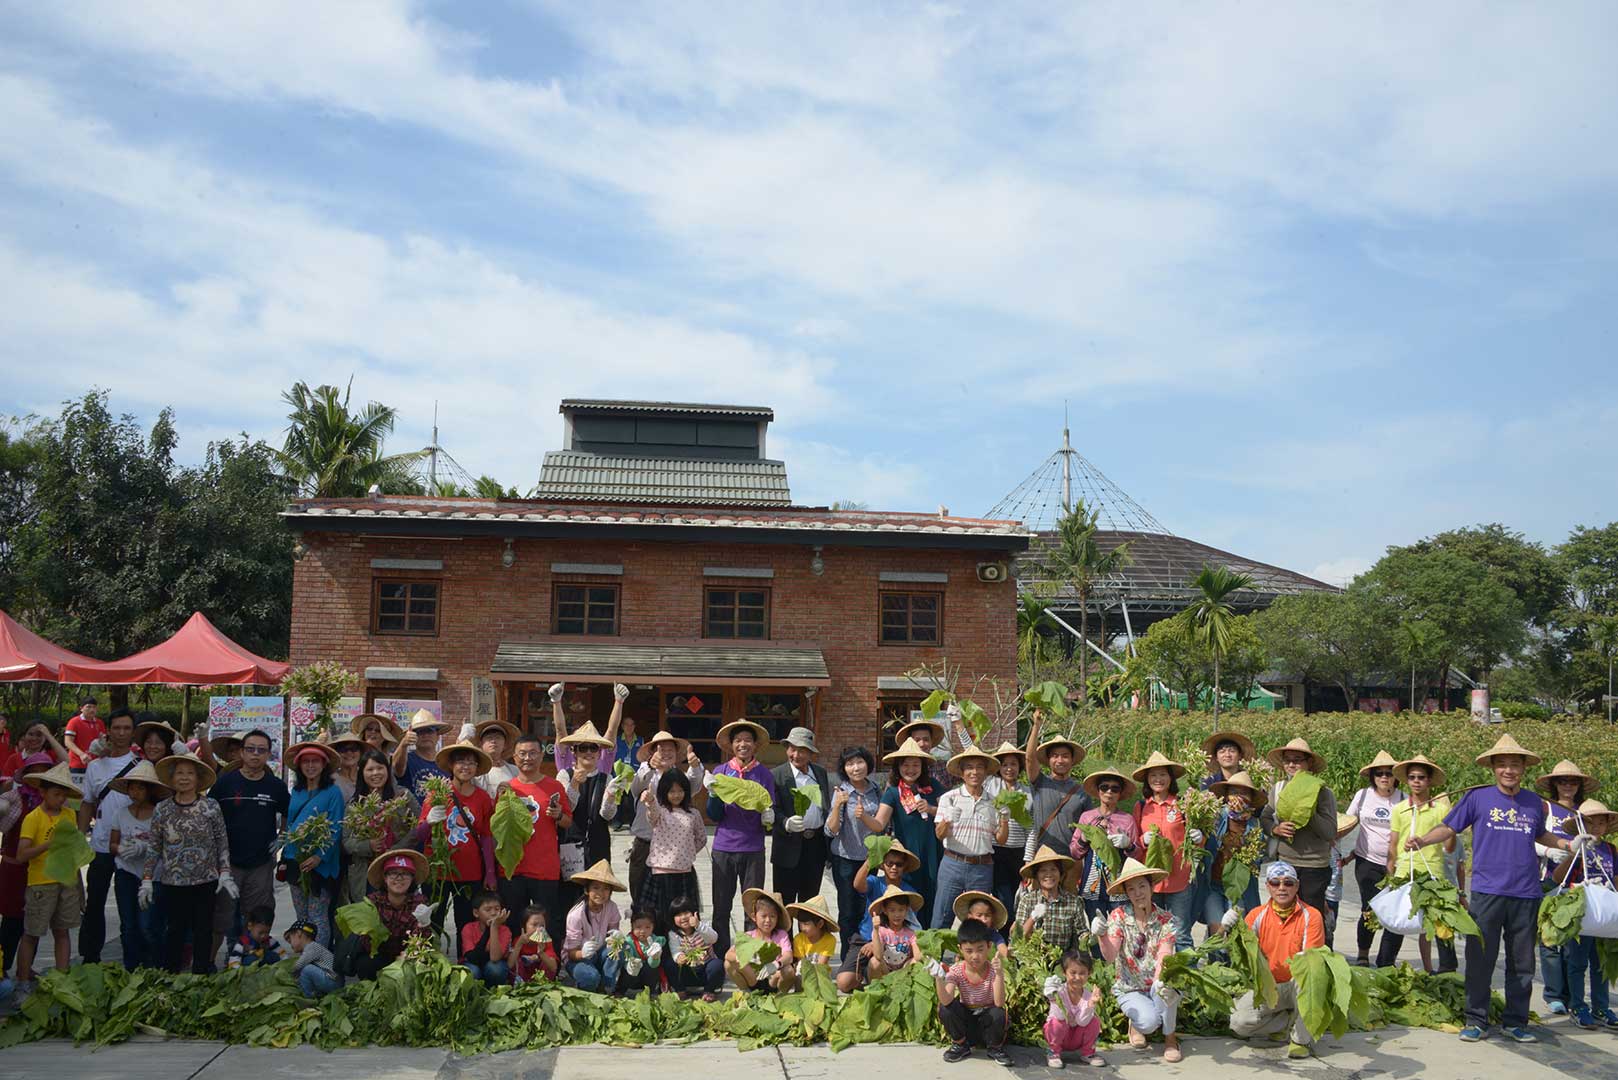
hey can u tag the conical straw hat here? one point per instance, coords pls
(1159, 760)
(587, 735)
(1131, 870)
(1507, 746)
(910, 749)
(815, 907)
(896, 892)
(57, 775)
(1383, 760)
(1434, 770)
(964, 902)
(1277, 757)
(600, 874)
(1256, 795)
(1092, 784)
(1565, 769)
(143, 772)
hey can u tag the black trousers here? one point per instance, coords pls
(190, 910)
(97, 884)
(798, 883)
(975, 1027)
(731, 868)
(1514, 920)
(1313, 881)
(1366, 876)
(458, 894)
(10, 938)
(518, 892)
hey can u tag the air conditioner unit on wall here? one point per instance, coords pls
(993, 572)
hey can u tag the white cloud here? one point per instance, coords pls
(1341, 571)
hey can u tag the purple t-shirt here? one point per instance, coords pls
(1503, 830)
(1600, 864)
(738, 829)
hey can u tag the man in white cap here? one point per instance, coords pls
(798, 852)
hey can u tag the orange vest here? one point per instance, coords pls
(1282, 939)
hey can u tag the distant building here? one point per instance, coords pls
(661, 550)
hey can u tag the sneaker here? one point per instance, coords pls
(998, 1055)
(958, 1052)
(1520, 1035)
(1054, 1061)
(1472, 1033)
(1583, 1019)
(1558, 1008)
(1608, 1018)
(1297, 1050)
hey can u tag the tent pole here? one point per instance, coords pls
(185, 713)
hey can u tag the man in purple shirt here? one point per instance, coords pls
(1506, 822)
(738, 839)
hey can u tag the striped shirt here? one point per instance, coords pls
(974, 994)
(972, 821)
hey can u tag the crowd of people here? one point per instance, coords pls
(191, 840)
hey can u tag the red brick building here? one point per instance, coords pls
(662, 551)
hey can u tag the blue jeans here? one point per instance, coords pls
(138, 930)
(1580, 954)
(849, 903)
(1553, 971)
(316, 982)
(1182, 905)
(598, 974)
(494, 973)
(954, 878)
(1215, 903)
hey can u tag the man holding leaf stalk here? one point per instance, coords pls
(537, 876)
(802, 792)
(1506, 822)
(1057, 799)
(741, 815)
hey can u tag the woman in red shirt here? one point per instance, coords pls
(1159, 812)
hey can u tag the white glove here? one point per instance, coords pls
(1584, 839)
(467, 731)
(423, 914)
(654, 955)
(1098, 927)
(634, 964)
(589, 948)
(936, 969)
(794, 824)
(1194, 835)
(769, 969)
(131, 850)
(1121, 841)
(613, 791)
(1556, 855)
(144, 897)
(1150, 833)
(228, 886)
(620, 692)
(1231, 918)
(1170, 996)
(1053, 985)
(98, 748)
(1038, 912)
(706, 931)
(767, 815)
(437, 814)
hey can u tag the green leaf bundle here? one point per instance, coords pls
(512, 824)
(1017, 802)
(1607, 957)
(1561, 917)
(1438, 902)
(1247, 959)
(1297, 800)
(876, 849)
(1199, 986)
(937, 943)
(624, 773)
(1330, 997)
(975, 720)
(934, 703)
(755, 952)
(805, 797)
(363, 919)
(1101, 847)
(742, 794)
(1160, 854)
(68, 851)
(1049, 697)
(1236, 878)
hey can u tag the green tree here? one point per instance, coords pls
(1034, 646)
(1169, 653)
(20, 453)
(1077, 561)
(1604, 636)
(1474, 618)
(489, 488)
(1538, 579)
(1335, 637)
(1212, 616)
(331, 452)
(1589, 560)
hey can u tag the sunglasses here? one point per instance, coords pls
(1113, 789)
(1291, 882)
(1378, 773)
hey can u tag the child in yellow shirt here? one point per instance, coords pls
(50, 906)
(815, 942)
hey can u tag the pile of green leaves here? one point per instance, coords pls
(1247, 960)
(1561, 917)
(938, 943)
(1199, 986)
(1438, 902)
(1331, 995)
(1297, 800)
(1017, 802)
(740, 793)
(1101, 847)
(67, 852)
(1403, 995)
(512, 824)
(1607, 957)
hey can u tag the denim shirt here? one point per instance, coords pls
(848, 842)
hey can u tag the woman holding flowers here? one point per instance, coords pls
(1564, 787)
(379, 816)
(1236, 848)
(314, 836)
(1372, 807)
(1159, 815)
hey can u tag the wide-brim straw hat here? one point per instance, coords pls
(1383, 760)
(1595, 815)
(912, 860)
(1006, 748)
(1255, 794)
(293, 751)
(1243, 743)
(1566, 770)
(219, 743)
(205, 775)
(1044, 855)
(347, 740)
(424, 720)
(1092, 784)
(893, 892)
(388, 859)
(814, 907)
(908, 749)
(507, 729)
(145, 728)
(587, 735)
(1346, 823)
(1434, 770)
(601, 874)
(964, 902)
(445, 753)
(760, 736)
(57, 775)
(1131, 870)
(1506, 746)
(957, 764)
(390, 730)
(907, 730)
(1158, 760)
(682, 749)
(751, 897)
(143, 773)
(1042, 752)
(1300, 745)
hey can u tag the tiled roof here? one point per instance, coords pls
(599, 659)
(757, 412)
(576, 475)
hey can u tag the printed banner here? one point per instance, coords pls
(400, 710)
(303, 717)
(239, 715)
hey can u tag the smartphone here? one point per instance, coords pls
(556, 800)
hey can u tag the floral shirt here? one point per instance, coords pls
(188, 843)
(1063, 920)
(1140, 948)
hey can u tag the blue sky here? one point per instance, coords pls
(1312, 279)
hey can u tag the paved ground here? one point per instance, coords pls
(1394, 1052)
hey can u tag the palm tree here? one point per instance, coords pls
(1032, 646)
(488, 487)
(1078, 562)
(333, 453)
(1212, 616)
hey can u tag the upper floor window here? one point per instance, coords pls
(586, 609)
(912, 618)
(404, 607)
(737, 613)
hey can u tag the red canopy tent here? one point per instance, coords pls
(27, 657)
(197, 655)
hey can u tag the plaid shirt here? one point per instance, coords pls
(1063, 920)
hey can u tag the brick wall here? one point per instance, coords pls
(662, 585)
